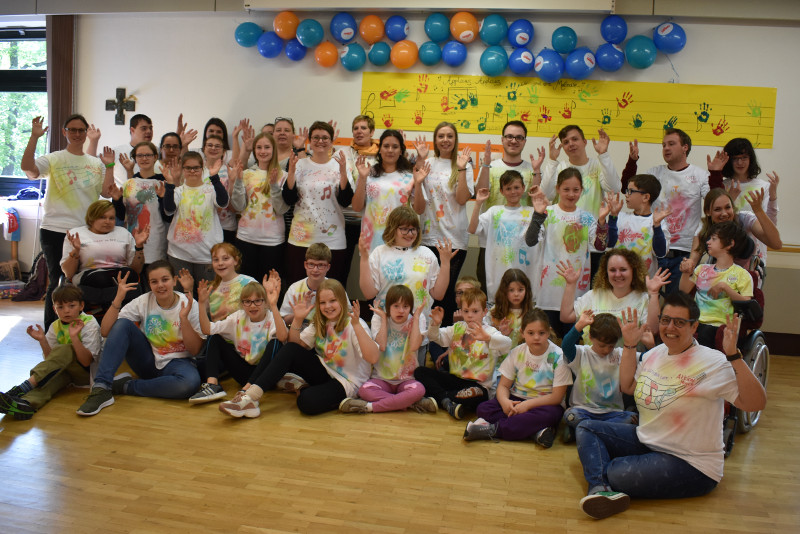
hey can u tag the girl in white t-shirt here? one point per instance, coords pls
(240, 341)
(262, 232)
(213, 152)
(328, 360)
(566, 232)
(740, 174)
(512, 301)
(440, 199)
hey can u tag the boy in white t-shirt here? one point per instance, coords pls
(317, 264)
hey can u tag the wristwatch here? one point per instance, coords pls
(734, 357)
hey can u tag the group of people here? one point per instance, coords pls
(573, 285)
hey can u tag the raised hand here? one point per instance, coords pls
(464, 157)
(186, 280)
(93, 133)
(536, 163)
(335, 127)
(362, 167)
(123, 286)
(774, 179)
(235, 169)
(107, 156)
(274, 176)
(377, 310)
(605, 209)
(36, 332)
(293, 162)
(115, 192)
(421, 171)
(555, 147)
(437, 316)
(421, 146)
(586, 318)
(272, 285)
(477, 332)
(300, 139)
(140, 235)
(214, 167)
(363, 245)
(687, 266)
(37, 128)
(341, 159)
(538, 199)
(614, 202)
(568, 272)
(126, 162)
(248, 137)
(631, 329)
(74, 240)
(75, 327)
(203, 291)
(601, 146)
(303, 306)
(661, 213)
(487, 153)
(181, 127)
(188, 137)
(446, 250)
(160, 189)
(172, 172)
(481, 195)
(658, 280)
(731, 334)
(504, 326)
(633, 150)
(355, 312)
(186, 309)
(755, 198)
(719, 161)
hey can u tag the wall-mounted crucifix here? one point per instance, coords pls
(121, 105)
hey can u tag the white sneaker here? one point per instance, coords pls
(291, 383)
(241, 406)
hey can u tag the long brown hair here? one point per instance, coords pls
(502, 307)
(453, 155)
(706, 222)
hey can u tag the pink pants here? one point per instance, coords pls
(386, 397)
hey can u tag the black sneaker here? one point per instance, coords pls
(16, 391)
(454, 409)
(118, 386)
(605, 504)
(13, 405)
(208, 392)
(98, 399)
(545, 437)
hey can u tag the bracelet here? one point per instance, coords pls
(298, 328)
(74, 256)
(629, 346)
(109, 165)
(734, 357)
(464, 169)
(536, 172)
(297, 150)
(138, 249)
(486, 166)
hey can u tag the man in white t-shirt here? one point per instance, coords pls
(141, 128)
(683, 188)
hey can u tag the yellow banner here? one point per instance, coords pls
(710, 114)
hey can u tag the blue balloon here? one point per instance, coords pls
(521, 60)
(247, 34)
(564, 40)
(294, 50)
(669, 38)
(454, 53)
(344, 27)
(580, 63)
(614, 29)
(379, 54)
(430, 53)
(520, 33)
(610, 57)
(310, 33)
(437, 27)
(549, 65)
(396, 28)
(493, 29)
(353, 56)
(494, 61)
(269, 44)
(640, 51)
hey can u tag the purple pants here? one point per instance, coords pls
(386, 397)
(523, 425)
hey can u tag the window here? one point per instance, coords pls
(23, 93)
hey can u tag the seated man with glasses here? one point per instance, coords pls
(680, 388)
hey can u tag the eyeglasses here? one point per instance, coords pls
(193, 169)
(509, 137)
(320, 139)
(740, 158)
(407, 230)
(253, 302)
(631, 191)
(664, 320)
(171, 147)
(285, 119)
(218, 147)
(75, 130)
(317, 266)
(145, 156)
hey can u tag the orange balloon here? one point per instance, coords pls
(404, 54)
(285, 25)
(326, 54)
(371, 29)
(464, 27)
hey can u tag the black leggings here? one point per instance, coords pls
(442, 386)
(224, 356)
(323, 393)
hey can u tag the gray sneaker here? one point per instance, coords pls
(425, 405)
(291, 383)
(455, 409)
(605, 504)
(349, 405)
(118, 386)
(98, 399)
(480, 429)
(207, 393)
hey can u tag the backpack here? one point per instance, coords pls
(36, 286)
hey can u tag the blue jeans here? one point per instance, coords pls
(673, 265)
(573, 417)
(179, 379)
(613, 458)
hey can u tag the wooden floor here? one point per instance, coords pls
(154, 466)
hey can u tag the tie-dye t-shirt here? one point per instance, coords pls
(162, 327)
(684, 192)
(141, 208)
(536, 375)
(713, 311)
(384, 193)
(496, 169)
(503, 231)
(747, 186)
(470, 358)
(250, 338)
(604, 301)
(318, 217)
(259, 223)
(73, 183)
(515, 321)
(224, 299)
(227, 215)
(444, 217)
(340, 353)
(566, 236)
(681, 404)
(195, 227)
(635, 232)
(101, 251)
(596, 387)
(398, 361)
(58, 334)
(599, 177)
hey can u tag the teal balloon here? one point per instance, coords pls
(247, 34)
(564, 40)
(640, 52)
(353, 57)
(379, 54)
(494, 61)
(430, 53)
(310, 33)
(437, 27)
(493, 29)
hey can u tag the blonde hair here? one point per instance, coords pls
(96, 210)
(453, 155)
(253, 288)
(273, 161)
(320, 322)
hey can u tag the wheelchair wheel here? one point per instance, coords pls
(757, 358)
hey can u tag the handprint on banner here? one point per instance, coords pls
(402, 95)
(533, 94)
(754, 110)
(498, 107)
(422, 88)
(418, 116)
(525, 116)
(627, 98)
(512, 112)
(637, 121)
(388, 93)
(721, 127)
(388, 120)
(446, 104)
(702, 115)
(482, 123)
(605, 116)
(544, 115)
(512, 91)
(567, 112)
(671, 122)
(586, 93)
